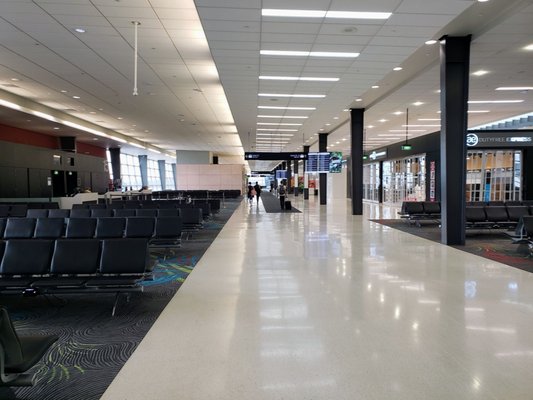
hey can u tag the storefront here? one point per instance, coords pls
(404, 179)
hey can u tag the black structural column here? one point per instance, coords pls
(296, 187)
(115, 165)
(306, 176)
(454, 74)
(323, 178)
(356, 158)
(289, 176)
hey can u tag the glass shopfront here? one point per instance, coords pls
(404, 179)
(493, 175)
(371, 182)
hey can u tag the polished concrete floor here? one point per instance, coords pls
(325, 305)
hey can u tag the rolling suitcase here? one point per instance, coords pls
(288, 205)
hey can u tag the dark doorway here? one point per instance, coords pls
(73, 185)
(58, 183)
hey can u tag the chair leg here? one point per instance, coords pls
(117, 296)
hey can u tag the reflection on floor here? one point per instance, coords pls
(326, 305)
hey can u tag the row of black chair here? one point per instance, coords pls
(420, 210)
(192, 217)
(161, 231)
(197, 194)
(500, 203)
(41, 266)
(495, 216)
(208, 207)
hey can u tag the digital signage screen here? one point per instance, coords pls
(318, 162)
(335, 162)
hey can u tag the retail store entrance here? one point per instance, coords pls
(493, 175)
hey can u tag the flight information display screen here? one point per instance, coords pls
(318, 162)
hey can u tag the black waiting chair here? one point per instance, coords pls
(4, 210)
(37, 213)
(167, 232)
(25, 257)
(515, 212)
(139, 227)
(75, 257)
(19, 228)
(168, 212)
(101, 212)
(58, 213)
(497, 215)
(19, 353)
(146, 212)
(110, 227)
(80, 206)
(81, 228)
(124, 212)
(475, 215)
(49, 228)
(18, 210)
(3, 222)
(80, 213)
(431, 208)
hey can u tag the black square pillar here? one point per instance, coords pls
(454, 76)
(306, 176)
(323, 178)
(356, 159)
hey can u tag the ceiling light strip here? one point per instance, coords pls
(272, 12)
(297, 78)
(288, 53)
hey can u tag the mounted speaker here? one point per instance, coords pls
(67, 143)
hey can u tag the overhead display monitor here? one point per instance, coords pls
(274, 156)
(318, 163)
(281, 174)
(335, 162)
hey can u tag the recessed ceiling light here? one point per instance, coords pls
(321, 129)
(76, 97)
(269, 12)
(397, 68)
(335, 54)
(297, 78)
(432, 41)
(482, 1)
(375, 87)
(519, 88)
(311, 96)
(417, 103)
(429, 119)
(481, 72)
(286, 108)
(15, 79)
(278, 124)
(397, 112)
(80, 30)
(277, 129)
(283, 116)
(358, 100)
(63, 91)
(528, 47)
(346, 110)
(383, 120)
(327, 124)
(335, 117)
(477, 111)
(494, 101)
(119, 118)
(56, 128)
(92, 112)
(370, 126)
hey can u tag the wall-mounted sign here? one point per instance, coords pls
(375, 155)
(499, 139)
(275, 156)
(318, 162)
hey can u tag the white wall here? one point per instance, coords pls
(209, 176)
(337, 185)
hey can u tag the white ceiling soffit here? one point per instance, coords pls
(181, 103)
(236, 33)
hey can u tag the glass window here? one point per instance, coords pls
(169, 177)
(154, 180)
(130, 171)
(108, 165)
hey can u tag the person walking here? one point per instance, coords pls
(250, 193)
(257, 189)
(282, 191)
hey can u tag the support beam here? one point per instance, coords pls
(306, 176)
(454, 75)
(323, 178)
(295, 167)
(356, 159)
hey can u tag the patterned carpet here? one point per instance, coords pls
(93, 345)
(494, 244)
